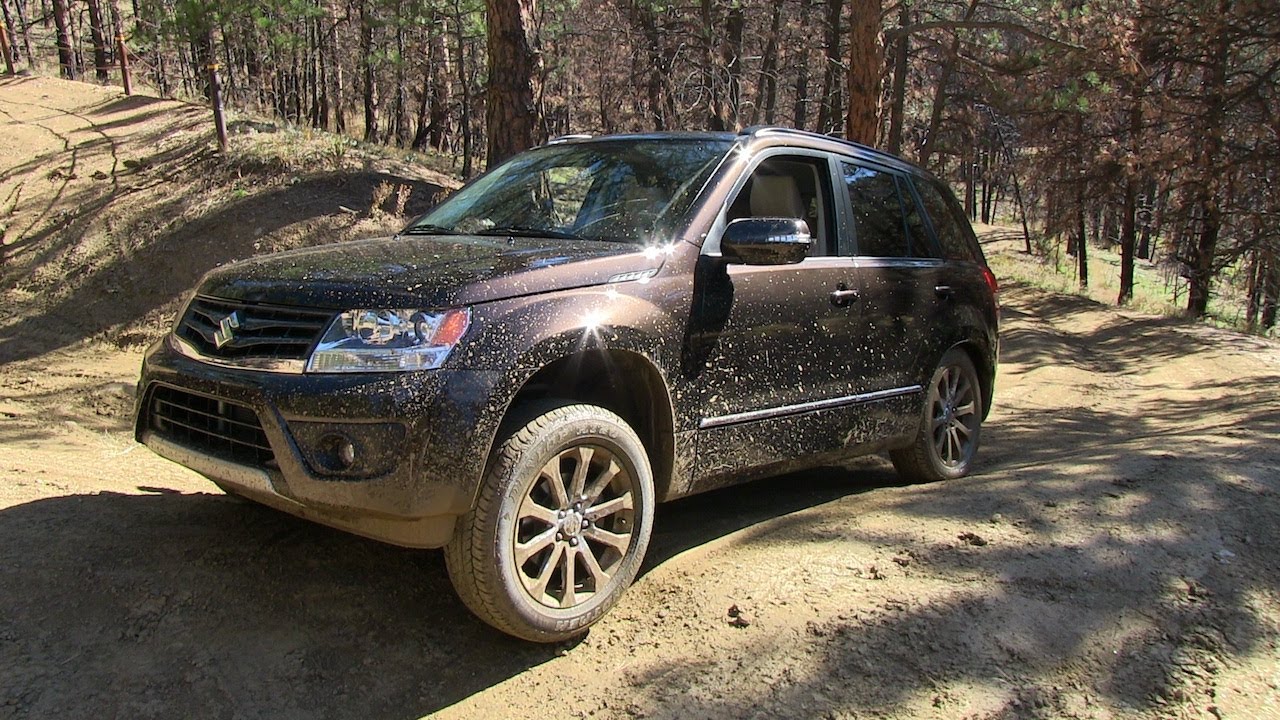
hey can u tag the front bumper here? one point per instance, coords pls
(419, 439)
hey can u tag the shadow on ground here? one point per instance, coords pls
(1112, 557)
(112, 601)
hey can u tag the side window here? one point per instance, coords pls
(955, 243)
(921, 244)
(877, 212)
(791, 186)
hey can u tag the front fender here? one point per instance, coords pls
(511, 340)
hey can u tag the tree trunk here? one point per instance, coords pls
(468, 151)
(441, 91)
(1082, 243)
(731, 55)
(514, 66)
(1128, 240)
(5, 48)
(99, 39)
(767, 87)
(901, 55)
(1270, 293)
(940, 92)
(800, 111)
(398, 133)
(1129, 219)
(422, 124)
(370, 76)
(1210, 152)
(66, 58)
(1254, 283)
(832, 102)
(866, 58)
(710, 90)
(14, 34)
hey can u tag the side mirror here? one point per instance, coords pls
(766, 241)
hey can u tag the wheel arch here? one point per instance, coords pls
(984, 364)
(622, 381)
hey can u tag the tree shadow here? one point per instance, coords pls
(114, 601)
(1113, 558)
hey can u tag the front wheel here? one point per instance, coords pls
(560, 527)
(950, 426)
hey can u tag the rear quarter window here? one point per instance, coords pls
(949, 223)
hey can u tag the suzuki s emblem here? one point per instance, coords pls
(226, 330)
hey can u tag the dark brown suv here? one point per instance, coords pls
(597, 325)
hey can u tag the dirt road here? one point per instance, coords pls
(1115, 555)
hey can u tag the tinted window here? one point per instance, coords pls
(877, 212)
(921, 244)
(947, 218)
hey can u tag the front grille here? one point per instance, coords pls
(227, 329)
(219, 427)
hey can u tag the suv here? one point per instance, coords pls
(595, 326)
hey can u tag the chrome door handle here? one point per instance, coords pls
(843, 296)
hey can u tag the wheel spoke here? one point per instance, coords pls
(535, 545)
(578, 483)
(946, 385)
(609, 507)
(555, 482)
(570, 596)
(968, 408)
(532, 510)
(961, 427)
(602, 481)
(598, 574)
(613, 540)
(538, 587)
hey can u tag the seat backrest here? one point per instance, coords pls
(776, 196)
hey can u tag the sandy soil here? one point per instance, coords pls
(1114, 555)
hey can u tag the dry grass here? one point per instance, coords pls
(1158, 288)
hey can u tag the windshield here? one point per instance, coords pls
(619, 191)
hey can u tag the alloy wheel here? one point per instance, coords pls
(574, 526)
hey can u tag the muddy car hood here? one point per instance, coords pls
(423, 271)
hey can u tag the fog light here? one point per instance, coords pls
(349, 451)
(337, 452)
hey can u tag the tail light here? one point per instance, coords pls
(992, 285)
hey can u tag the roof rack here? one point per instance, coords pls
(765, 130)
(569, 138)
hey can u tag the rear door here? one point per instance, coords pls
(899, 278)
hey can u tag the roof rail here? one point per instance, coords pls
(569, 138)
(764, 130)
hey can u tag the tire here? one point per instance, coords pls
(950, 424)
(512, 553)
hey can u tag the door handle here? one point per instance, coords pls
(944, 291)
(842, 295)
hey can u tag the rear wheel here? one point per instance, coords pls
(950, 427)
(560, 527)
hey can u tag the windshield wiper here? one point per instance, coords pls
(429, 230)
(520, 231)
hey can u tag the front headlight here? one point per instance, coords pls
(388, 340)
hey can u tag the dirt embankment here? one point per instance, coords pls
(1114, 555)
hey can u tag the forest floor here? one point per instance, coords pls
(1113, 556)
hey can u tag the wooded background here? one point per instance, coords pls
(1151, 125)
